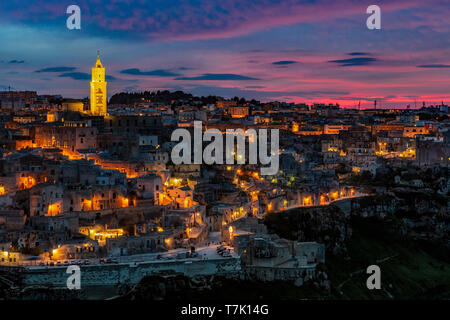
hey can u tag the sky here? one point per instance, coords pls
(312, 51)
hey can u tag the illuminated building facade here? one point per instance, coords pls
(98, 89)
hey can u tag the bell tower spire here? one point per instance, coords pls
(98, 89)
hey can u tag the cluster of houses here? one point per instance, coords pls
(79, 185)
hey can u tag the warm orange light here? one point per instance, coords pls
(87, 204)
(53, 209)
(101, 234)
(175, 182)
(72, 155)
(27, 182)
(160, 229)
(255, 175)
(50, 117)
(307, 201)
(2, 190)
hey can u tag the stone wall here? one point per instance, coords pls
(129, 273)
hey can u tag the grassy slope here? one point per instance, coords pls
(412, 273)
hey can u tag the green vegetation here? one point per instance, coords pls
(409, 273)
(411, 270)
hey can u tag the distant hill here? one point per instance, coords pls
(166, 97)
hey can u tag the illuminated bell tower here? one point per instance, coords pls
(98, 89)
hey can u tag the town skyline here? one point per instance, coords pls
(225, 172)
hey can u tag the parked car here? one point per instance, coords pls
(42, 264)
(114, 260)
(79, 262)
(86, 261)
(59, 263)
(66, 263)
(51, 264)
(72, 262)
(108, 260)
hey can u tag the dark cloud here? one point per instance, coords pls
(218, 76)
(17, 61)
(153, 73)
(76, 75)
(434, 66)
(283, 62)
(358, 54)
(56, 69)
(255, 87)
(354, 61)
(371, 99)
